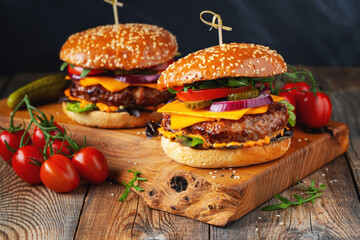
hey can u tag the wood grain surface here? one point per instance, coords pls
(212, 195)
(308, 221)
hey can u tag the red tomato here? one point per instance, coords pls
(163, 66)
(77, 70)
(91, 165)
(38, 136)
(21, 162)
(59, 146)
(13, 139)
(300, 90)
(289, 98)
(314, 112)
(208, 94)
(59, 174)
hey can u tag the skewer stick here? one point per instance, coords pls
(213, 24)
(115, 4)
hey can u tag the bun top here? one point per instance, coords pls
(227, 60)
(126, 46)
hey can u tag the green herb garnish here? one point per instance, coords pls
(311, 190)
(63, 66)
(85, 72)
(131, 184)
(189, 141)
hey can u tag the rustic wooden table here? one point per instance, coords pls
(93, 212)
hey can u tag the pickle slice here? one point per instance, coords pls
(243, 95)
(198, 105)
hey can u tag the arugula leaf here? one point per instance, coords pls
(85, 72)
(291, 108)
(63, 66)
(76, 107)
(173, 91)
(189, 141)
(131, 184)
(312, 191)
(187, 87)
(238, 82)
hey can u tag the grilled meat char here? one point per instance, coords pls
(251, 127)
(131, 96)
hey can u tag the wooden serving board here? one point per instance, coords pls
(213, 196)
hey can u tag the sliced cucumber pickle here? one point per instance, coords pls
(198, 105)
(243, 95)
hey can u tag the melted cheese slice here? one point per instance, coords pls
(112, 84)
(183, 117)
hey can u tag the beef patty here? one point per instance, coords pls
(132, 96)
(249, 127)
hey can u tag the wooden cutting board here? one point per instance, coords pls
(213, 196)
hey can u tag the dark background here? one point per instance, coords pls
(310, 32)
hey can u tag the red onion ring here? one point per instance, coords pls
(138, 78)
(125, 78)
(225, 106)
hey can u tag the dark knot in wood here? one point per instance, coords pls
(178, 183)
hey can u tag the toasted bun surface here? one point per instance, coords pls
(111, 120)
(126, 46)
(218, 158)
(227, 60)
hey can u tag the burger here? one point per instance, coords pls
(113, 71)
(224, 115)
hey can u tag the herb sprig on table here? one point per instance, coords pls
(311, 191)
(131, 184)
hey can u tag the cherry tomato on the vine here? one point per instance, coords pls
(13, 139)
(59, 146)
(59, 174)
(91, 165)
(314, 112)
(39, 139)
(27, 163)
(300, 88)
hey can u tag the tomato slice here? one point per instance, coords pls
(209, 94)
(77, 70)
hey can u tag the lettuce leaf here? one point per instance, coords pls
(75, 107)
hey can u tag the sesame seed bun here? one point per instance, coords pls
(227, 60)
(126, 46)
(218, 158)
(111, 120)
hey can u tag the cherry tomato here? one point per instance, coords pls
(27, 163)
(301, 89)
(314, 112)
(91, 165)
(38, 136)
(59, 146)
(77, 70)
(13, 139)
(163, 66)
(59, 174)
(208, 94)
(289, 98)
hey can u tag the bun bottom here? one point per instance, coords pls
(111, 120)
(218, 158)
